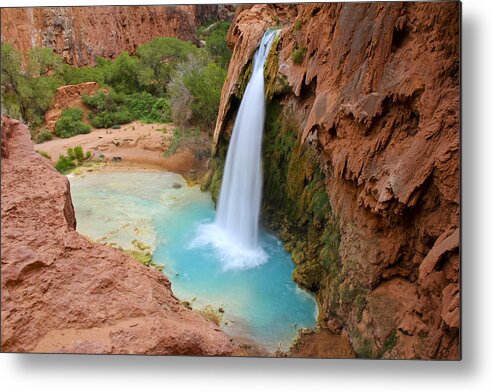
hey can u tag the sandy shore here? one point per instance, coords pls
(140, 146)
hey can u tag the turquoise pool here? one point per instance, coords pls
(159, 209)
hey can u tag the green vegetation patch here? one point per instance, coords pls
(75, 157)
(113, 109)
(298, 55)
(44, 136)
(27, 92)
(70, 123)
(391, 341)
(195, 92)
(189, 138)
(216, 44)
(167, 79)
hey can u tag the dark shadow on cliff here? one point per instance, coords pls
(370, 370)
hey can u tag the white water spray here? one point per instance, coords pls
(235, 231)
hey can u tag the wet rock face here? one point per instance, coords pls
(63, 293)
(80, 34)
(374, 93)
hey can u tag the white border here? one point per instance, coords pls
(137, 374)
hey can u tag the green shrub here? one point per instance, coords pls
(147, 108)
(298, 55)
(75, 157)
(195, 92)
(160, 112)
(73, 113)
(77, 75)
(158, 60)
(216, 44)
(78, 153)
(44, 136)
(123, 74)
(113, 109)
(64, 164)
(70, 123)
(111, 119)
(97, 101)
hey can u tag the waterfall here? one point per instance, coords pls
(241, 189)
(235, 231)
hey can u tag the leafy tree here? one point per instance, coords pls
(42, 62)
(75, 75)
(122, 75)
(195, 92)
(28, 93)
(216, 43)
(158, 58)
(11, 79)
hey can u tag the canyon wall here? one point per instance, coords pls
(64, 293)
(80, 34)
(361, 164)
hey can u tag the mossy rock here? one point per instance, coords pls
(243, 79)
(142, 257)
(308, 275)
(275, 83)
(140, 245)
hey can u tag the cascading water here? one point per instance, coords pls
(241, 190)
(235, 231)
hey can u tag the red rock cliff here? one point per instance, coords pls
(63, 293)
(80, 34)
(376, 95)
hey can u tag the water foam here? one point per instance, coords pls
(233, 256)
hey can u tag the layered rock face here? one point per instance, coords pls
(363, 184)
(63, 293)
(80, 34)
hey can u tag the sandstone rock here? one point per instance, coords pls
(377, 97)
(322, 344)
(63, 293)
(244, 36)
(80, 34)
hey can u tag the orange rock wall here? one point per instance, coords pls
(377, 97)
(80, 34)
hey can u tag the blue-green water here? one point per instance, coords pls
(261, 304)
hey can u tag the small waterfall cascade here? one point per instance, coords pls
(235, 231)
